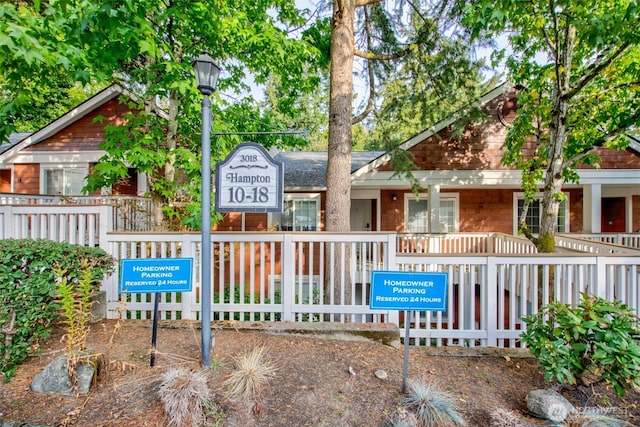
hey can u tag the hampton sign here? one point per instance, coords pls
(249, 180)
(407, 290)
(154, 275)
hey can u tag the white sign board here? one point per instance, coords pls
(249, 180)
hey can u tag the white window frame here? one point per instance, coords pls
(455, 197)
(50, 167)
(297, 197)
(520, 196)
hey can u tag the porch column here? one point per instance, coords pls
(143, 184)
(628, 203)
(434, 208)
(591, 208)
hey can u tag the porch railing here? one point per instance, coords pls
(127, 213)
(320, 277)
(631, 240)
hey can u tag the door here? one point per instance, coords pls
(361, 219)
(613, 218)
(5, 180)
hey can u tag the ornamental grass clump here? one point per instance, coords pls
(433, 407)
(251, 374)
(597, 341)
(186, 397)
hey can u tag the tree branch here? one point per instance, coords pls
(596, 144)
(594, 69)
(380, 57)
(372, 87)
(360, 3)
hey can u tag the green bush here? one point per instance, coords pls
(597, 339)
(28, 291)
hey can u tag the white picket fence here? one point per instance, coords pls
(493, 279)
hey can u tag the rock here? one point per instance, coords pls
(54, 378)
(98, 306)
(549, 404)
(380, 374)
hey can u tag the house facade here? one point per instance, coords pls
(56, 159)
(465, 186)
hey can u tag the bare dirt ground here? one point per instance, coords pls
(312, 385)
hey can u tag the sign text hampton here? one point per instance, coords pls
(249, 180)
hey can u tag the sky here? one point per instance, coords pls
(360, 87)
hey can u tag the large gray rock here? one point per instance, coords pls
(549, 404)
(54, 378)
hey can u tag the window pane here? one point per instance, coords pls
(533, 215)
(448, 215)
(562, 217)
(74, 181)
(53, 179)
(305, 215)
(286, 217)
(297, 215)
(418, 216)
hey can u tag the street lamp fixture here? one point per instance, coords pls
(207, 73)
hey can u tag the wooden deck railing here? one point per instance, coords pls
(315, 277)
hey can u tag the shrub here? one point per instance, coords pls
(598, 338)
(433, 407)
(28, 292)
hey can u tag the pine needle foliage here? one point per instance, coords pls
(501, 417)
(186, 397)
(593, 420)
(251, 373)
(433, 407)
(401, 418)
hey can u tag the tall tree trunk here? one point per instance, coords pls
(341, 91)
(554, 178)
(172, 137)
(338, 203)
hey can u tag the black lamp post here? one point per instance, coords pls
(207, 73)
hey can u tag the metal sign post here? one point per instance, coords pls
(408, 291)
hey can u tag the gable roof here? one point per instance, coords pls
(14, 139)
(634, 143)
(433, 130)
(73, 115)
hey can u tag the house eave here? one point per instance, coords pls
(489, 178)
(302, 189)
(63, 157)
(65, 120)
